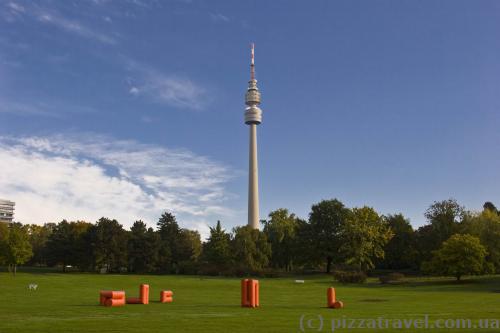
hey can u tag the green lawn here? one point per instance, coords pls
(69, 303)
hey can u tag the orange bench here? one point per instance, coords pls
(331, 300)
(112, 298)
(250, 293)
(143, 296)
(166, 296)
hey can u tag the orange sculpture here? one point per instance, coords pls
(250, 293)
(166, 296)
(143, 296)
(331, 300)
(112, 298)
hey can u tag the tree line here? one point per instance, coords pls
(454, 241)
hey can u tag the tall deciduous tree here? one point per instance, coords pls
(143, 247)
(4, 234)
(458, 256)
(18, 247)
(64, 244)
(400, 251)
(486, 226)
(444, 219)
(109, 245)
(364, 236)
(326, 220)
(39, 236)
(188, 248)
(491, 207)
(251, 249)
(189, 245)
(281, 229)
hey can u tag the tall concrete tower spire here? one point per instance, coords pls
(253, 117)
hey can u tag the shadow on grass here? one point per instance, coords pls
(430, 284)
(33, 270)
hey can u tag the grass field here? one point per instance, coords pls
(69, 303)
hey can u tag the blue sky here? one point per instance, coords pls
(127, 108)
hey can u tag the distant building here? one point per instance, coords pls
(6, 210)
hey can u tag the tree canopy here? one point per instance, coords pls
(458, 256)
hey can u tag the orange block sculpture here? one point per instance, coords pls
(143, 296)
(331, 300)
(166, 296)
(250, 293)
(111, 298)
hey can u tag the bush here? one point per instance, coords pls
(349, 276)
(391, 278)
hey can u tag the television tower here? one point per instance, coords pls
(253, 117)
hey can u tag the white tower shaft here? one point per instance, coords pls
(253, 180)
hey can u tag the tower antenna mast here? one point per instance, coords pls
(252, 63)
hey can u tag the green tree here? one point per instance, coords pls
(143, 247)
(400, 251)
(304, 246)
(486, 226)
(64, 245)
(39, 236)
(250, 249)
(4, 234)
(189, 245)
(169, 232)
(109, 245)
(364, 236)
(425, 241)
(458, 256)
(326, 222)
(18, 247)
(444, 218)
(490, 206)
(217, 249)
(280, 229)
(188, 250)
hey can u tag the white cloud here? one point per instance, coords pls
(15, 11)
(35, 107)
(25, 109)
(134, 90)
(218, 17)
(15, 7)
(175, 91)
(172, 90)
(147, 119)
(72, 26)
(12, 11)
(87, 177)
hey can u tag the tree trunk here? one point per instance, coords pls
(458, 277)
(15, 270)
(328, 265)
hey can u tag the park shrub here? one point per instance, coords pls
(349, 276)
(392, 278)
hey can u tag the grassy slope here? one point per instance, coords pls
(68, 303)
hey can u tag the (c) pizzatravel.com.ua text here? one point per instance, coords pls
(318, 323)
